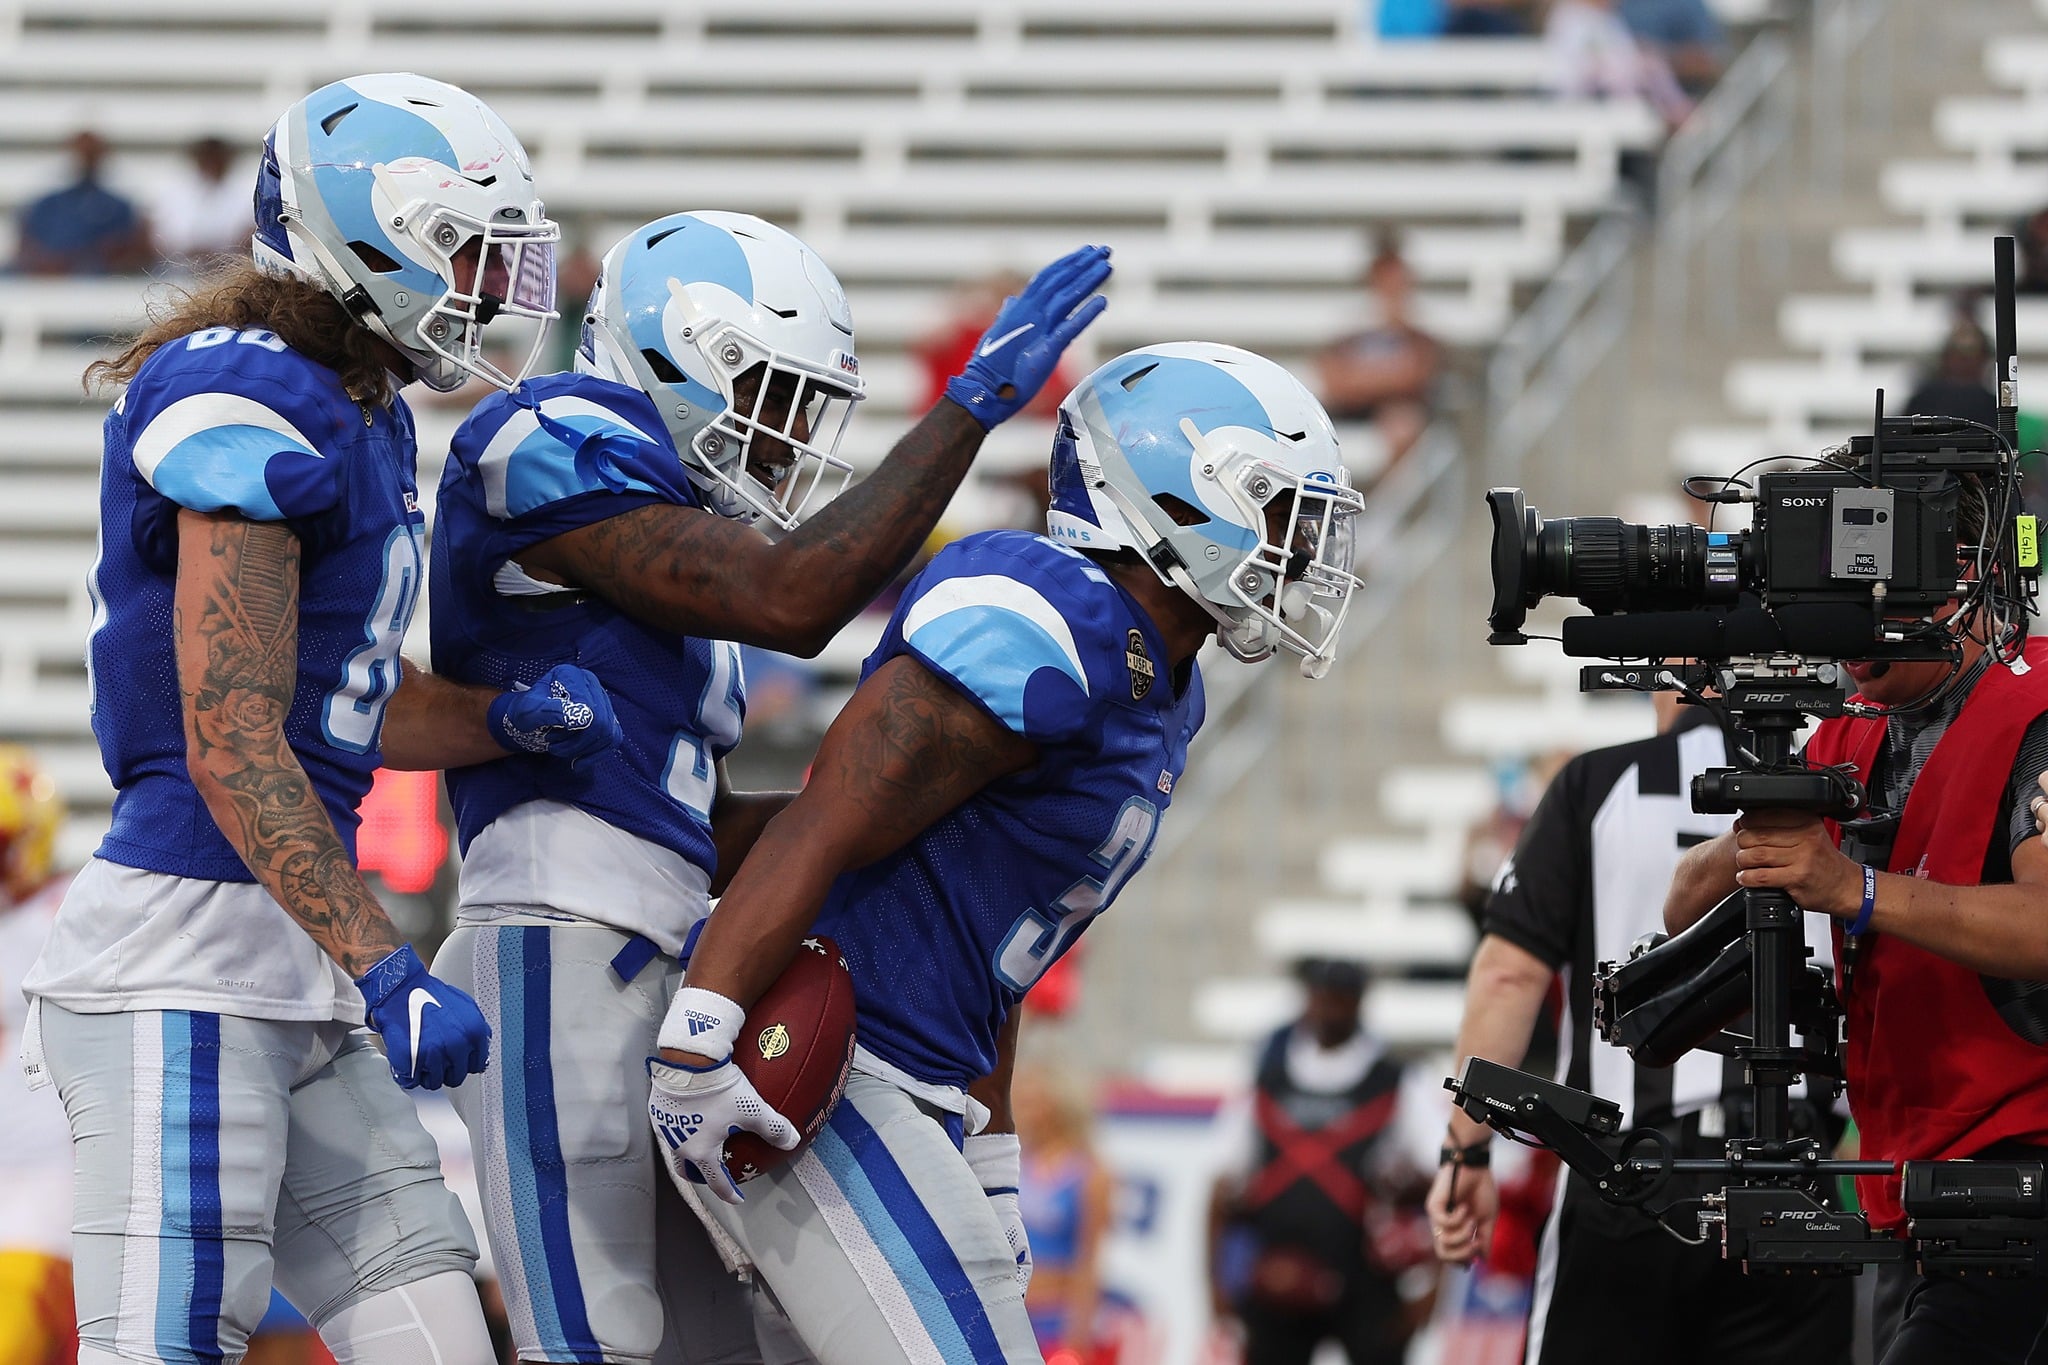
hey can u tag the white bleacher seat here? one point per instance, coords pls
(1392, 866)
(1792, 390)
(1947, 193)
(1439, 796)
(2018, 60)
(1723, 450)
(1518, 728)
(1897, 260)
(1389, 935)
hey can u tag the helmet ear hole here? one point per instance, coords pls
(1183, 512)
(374, 259)
(661, 367)
(333, 120)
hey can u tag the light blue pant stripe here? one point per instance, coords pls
(177, 1268)
(510, 950)
(933, 1311)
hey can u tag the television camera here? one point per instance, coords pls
(1884, 549)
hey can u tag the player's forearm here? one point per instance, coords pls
(1504, 993)
(836, 562)
(434, 722)
(235, 631)
(1705, 877)
(736, 824)
(774, 897)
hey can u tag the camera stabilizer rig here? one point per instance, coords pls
(1857, 559)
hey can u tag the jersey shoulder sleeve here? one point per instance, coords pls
(1017, 623)
(228, 421)
(559, 451)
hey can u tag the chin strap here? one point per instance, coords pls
(1245, 640)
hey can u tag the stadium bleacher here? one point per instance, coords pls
(1233, 154)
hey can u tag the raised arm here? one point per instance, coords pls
(236, 626)
(687, 571)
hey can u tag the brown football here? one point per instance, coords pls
(797, 1049)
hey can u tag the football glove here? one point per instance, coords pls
(1022, 346)
(998, 1163)
(565, 714)
(434, 1035)
(695, 1109)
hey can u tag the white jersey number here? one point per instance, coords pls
(691, 778)
(354, 713)
(1038, 937)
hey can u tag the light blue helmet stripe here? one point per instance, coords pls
(374, 132)
(689, 249)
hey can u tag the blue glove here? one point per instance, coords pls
(1022, 346)
(565, 714)
(433, 1034)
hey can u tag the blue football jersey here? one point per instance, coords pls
(236, 421)
(561, 452)
(945, 936)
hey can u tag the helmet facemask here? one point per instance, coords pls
(1295, 585)
(775, 448)
(509, 268)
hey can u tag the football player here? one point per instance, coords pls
(997, 777)
(201, 997)
(639, 515)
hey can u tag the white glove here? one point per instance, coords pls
(997, 1161)
(695, 1110)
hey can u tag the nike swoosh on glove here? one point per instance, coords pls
(695, 1110)
(1023, 345)
(565, 714)
(434, 1035)
(998, 1163)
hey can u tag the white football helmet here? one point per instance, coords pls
(1223, 473)
(743, 339)
(377, 188)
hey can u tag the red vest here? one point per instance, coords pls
(1933, 1070)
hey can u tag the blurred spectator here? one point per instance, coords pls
(1494, 835)
(1959, 384)
(203, 214)
(1315, 1216)
(1064, 1198)
(945, 350)
(1387, 373)
(1684, 33)
(37, 1318)
(83, 228)
(2032, 232)
(1595, 56)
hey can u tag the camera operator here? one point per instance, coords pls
(1580, 887)
(1940, 907)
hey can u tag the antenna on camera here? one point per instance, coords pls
(1877, 444)
(2004, 312)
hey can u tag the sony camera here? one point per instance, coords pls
(1856, 557)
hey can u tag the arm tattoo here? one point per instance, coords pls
(918, 750)
(689, 571)
(235, 624)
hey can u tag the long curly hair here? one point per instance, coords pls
(236, 294)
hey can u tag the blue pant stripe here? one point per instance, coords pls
(913, 1243)
(209, 1252)
(540, 1190)
(183, 1334)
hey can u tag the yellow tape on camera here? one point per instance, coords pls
(2029, 543)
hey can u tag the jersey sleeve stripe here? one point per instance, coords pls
(210, 452)
(991, 635)
(525, 467)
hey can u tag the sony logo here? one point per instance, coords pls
(1804, 502)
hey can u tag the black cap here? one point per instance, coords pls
(1332, 974)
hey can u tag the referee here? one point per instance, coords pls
(1586, 880)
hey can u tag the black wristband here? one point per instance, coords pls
(1478, 1156)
